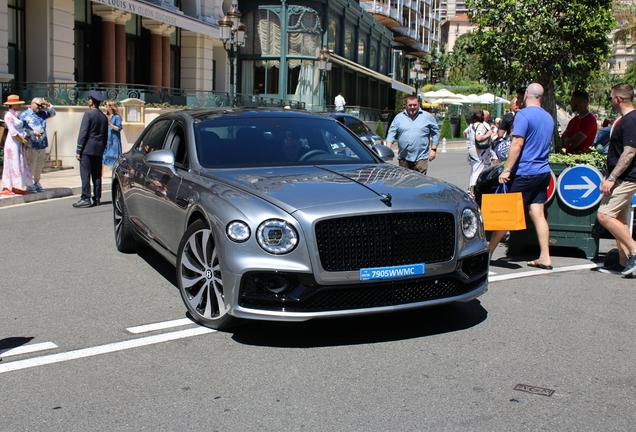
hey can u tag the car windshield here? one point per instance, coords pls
(277, 141)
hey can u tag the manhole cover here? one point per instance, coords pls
(534, 390)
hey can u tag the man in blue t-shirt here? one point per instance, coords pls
(527, 170)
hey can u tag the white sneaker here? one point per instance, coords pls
(38, 187)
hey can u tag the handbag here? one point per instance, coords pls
(481, 145)
(503, 211)
(502, 148)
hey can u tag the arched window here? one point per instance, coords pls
(348, 43)
(374, 58)
(333, 35)
(264, 41)
(362, 51)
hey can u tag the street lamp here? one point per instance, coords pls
(324, 64)
(232, 30)
(417, 73)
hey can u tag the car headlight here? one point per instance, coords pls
(237, 231)
(470, 223)
(277, 236)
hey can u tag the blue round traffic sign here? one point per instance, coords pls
(579, 187)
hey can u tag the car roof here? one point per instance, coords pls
(201, 114)
(340, 115)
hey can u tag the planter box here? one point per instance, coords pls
(568, 227)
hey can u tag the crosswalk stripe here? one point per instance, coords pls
(26, 349)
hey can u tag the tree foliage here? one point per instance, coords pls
(630, 75)
(549, 42)
(463, 63)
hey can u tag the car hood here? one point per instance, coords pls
(363, 186)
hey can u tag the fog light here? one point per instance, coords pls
(276, 284)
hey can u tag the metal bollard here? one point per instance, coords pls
(443, 145)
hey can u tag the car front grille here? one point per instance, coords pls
(357, 242)
(367, 296)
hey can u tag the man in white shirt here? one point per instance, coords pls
(339, 102)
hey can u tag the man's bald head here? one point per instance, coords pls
(534, 93)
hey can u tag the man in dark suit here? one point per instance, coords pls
(91, 143)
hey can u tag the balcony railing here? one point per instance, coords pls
(363, 113)
(77, 94)
(380, 8)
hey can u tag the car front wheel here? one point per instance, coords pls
(124, 237)
(200, 280)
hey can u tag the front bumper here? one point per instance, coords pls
(285, 296)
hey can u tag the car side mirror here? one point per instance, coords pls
(385, 152)
(161, 159)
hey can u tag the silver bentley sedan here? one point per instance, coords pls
(288, 216)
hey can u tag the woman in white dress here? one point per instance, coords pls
(478, 158)
(16, 176)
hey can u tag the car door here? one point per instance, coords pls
(167, 210)
(152, 139)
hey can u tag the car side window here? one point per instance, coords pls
(153, 138)
(176, 142)
(358, 127)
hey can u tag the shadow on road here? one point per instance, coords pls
(13, 342)
(362, 330)
(160, 264)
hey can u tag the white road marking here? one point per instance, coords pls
(160, 326)
(182, 334)
(541, 272)
(103, 349)
(26, 349)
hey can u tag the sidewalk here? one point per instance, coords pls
(57, 183)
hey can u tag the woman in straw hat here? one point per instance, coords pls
(16, 176)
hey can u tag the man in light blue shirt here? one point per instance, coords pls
(417, 134)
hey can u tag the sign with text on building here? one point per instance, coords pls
(579, 187)
(176, 19)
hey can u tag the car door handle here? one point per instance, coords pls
(182, 202)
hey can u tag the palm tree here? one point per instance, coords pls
(626, 19)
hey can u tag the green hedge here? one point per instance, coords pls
(446, 131)
(379, 130)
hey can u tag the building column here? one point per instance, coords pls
(165, 48)
(109, 61)
(196, 61)
(156, 51)
(120, 48)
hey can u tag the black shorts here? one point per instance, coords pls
(534, 189)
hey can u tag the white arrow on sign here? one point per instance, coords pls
(590, 186)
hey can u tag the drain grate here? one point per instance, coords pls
(534, 390)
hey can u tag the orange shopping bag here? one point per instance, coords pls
(503, 211)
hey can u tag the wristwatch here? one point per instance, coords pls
(506, 170)
(610, 178)
(434, 149)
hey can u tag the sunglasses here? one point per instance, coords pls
(610, 97)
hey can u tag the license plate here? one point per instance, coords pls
(391, 272)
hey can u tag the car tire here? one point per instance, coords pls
(200, 280)
(124, 235)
